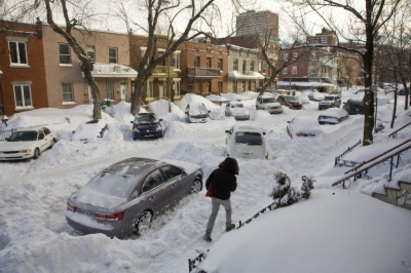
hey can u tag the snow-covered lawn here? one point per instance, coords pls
(334, 231)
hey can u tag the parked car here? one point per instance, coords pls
(354, 106)
(401, 92)
(246, 141)
(303, 126)
(314, 95)
(335, 92)
(146, 125)
(27, 143)
(269, 103)
(196, 112)
(123, 198)
(332, 116)
(290, 101)
(329, 101)
(90, 130)
(237, 110)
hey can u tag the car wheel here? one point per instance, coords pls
(52, 143)
(36, 153)
(144, 223)
(197, 185)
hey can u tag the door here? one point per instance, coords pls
(175, 177)
(156, 192)
(161, 91)
(123, 91)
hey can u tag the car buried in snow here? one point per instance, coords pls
(246, 141)
(290, 101)
(196, 112)
(90, 130)
(332, 116)
(237, 110)
(27, 143)
(146, 125)
(303, 126)
(123, 198)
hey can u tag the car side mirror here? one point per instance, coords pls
(288, 121)
(160, 120)
(131, 122)
(228, 132)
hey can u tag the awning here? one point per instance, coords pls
(249, 76)
(112, 71)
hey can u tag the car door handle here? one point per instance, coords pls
(151, 198)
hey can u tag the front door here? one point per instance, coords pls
(123, 91)
(161, 91)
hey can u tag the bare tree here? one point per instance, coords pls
(72, 24)
(364, 20)
(159, 13)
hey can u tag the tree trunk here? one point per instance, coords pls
(138, 92)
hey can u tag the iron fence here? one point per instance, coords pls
(338, 158)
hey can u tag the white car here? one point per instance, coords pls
(89, 130)
(332, 116)
(246, 141)
(303, 126)
(197, 112)
(269, 103)
(237, 110)
(27, 143)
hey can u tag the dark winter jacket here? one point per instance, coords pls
(224, 179)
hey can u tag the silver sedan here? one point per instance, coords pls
(123, 198)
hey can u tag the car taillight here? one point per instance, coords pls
(109, 217)
(299, 134)
(71, 207)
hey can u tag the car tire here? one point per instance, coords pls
(53, 142)
(36, 153)
(197, 185)
(144, 223)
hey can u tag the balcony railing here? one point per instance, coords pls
(198, 72)
(165, 70)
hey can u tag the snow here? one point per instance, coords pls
(335, 230)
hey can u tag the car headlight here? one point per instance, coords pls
(158, 129)
(136, 130)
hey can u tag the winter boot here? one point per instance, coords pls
(207, 237)
(229, 227)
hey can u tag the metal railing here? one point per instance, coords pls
(338, 158)
(203, 72)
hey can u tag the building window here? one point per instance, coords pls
(285, 56)
(220, 63)
(18, 53)
(150, 89)
(65, 56)
(176, 60)
(285, 71)
(110, 90)
(177, 88)
(196, 61)
(22, 95)
(244, 66)
(313, 56)
(68, 92)
(294, 71)
(91, 53)
(252, 66)
(235, 65)
(112, 55)
(208, 64)
(263, 67)
(295, 56)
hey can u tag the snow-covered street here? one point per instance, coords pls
(34, 234)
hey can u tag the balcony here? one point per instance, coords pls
(165, 71)
(208, 73)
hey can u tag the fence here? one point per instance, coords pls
(192, 263)
(338, 158)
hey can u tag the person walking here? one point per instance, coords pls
(221, 182)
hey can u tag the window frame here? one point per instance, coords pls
(110, 90)
(208, 62)
(18, 53)
(23, 94)
(91, 49)
(235, 64)
(66, 92)
(197, 61)
(112, 59)
(64, 55)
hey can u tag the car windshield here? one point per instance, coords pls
(145, 118)
(238, 105)
(289, 98)
(113, 184)
(249, 138)
(24, 136)
(356, 103)
(329, 98)
(268, 100)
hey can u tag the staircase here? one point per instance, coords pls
(399, 196)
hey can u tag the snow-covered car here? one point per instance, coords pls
(314, 95)
(246, 141)
(354, 106)
(27, 143)
(332, 116)
(89, 130)
(290, 101)
(303, 126)
(329, 101)
(146, 125)
(237, 110)
(269, 103)
(196, 112)
(123, 198)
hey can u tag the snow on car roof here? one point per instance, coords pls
(334, 112)
(246, 128)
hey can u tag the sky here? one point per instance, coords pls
(335, 230)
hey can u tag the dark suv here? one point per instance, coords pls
(146, 125)
(354, 106)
